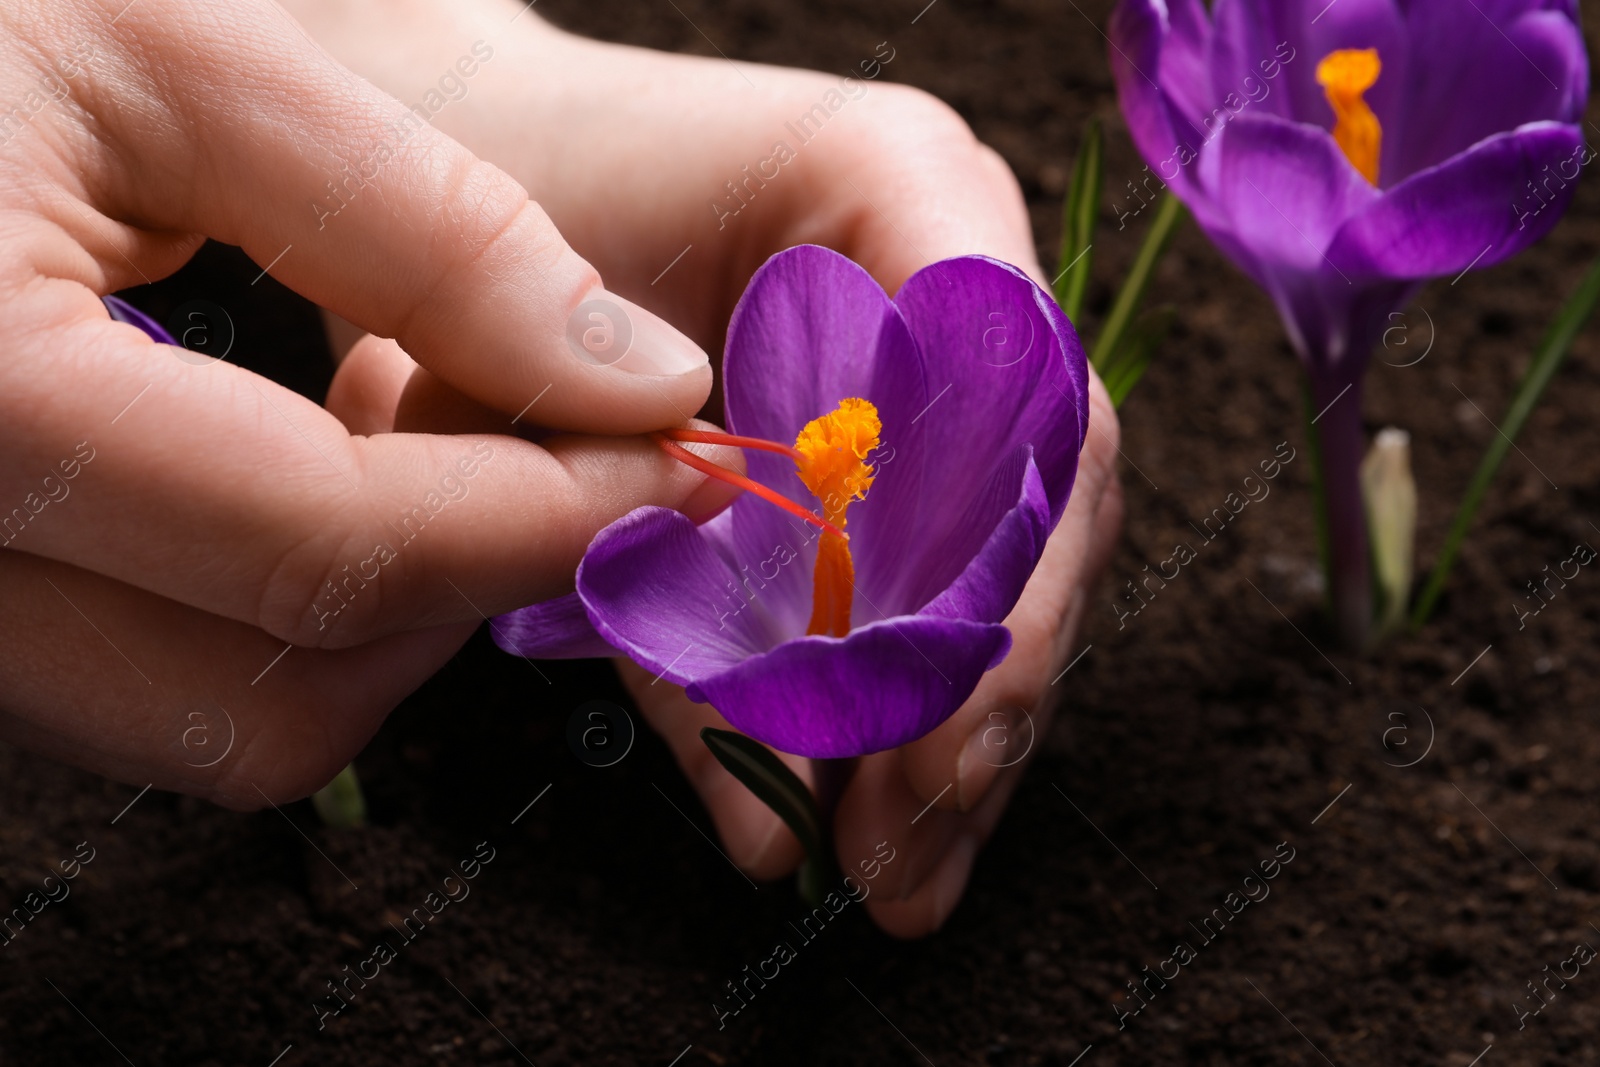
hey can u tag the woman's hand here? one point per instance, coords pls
(677, 177)
(209, 583)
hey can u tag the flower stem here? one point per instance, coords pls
(1335, 436)
(829, 777)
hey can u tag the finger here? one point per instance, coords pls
(931, 902)
(342, 335)
(428, 404)
(930, 852)
(129, 685)
(367, 386)
(879, 815)
(358, 203)
(955, 765)
(280, 518)
(753, 837)
(939, 864)
(932, 193)
(381, 389)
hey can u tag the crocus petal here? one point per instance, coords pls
(1185, 55)
(1256, 37)
(656, 589)
(1286, 188)
(1007, 370)
(1457, 214)
(773, 556)
(122, 311)
(992, 582)
(1503, 11)
(881, 686)
(1161, 126)
(1015, 371)
(555, 629)
(812, 329)
(1480, 70)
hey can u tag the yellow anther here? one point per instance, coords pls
(1344, 76)
(833, 465)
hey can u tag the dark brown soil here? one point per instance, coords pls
(1218, 723)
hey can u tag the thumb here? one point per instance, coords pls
(355, 201)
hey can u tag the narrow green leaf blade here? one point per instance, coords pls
(774, 784)
(1551, 352)
(1128, 363)
(1078, 215)
(1126, 305)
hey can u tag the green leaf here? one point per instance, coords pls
(1551, 352)
(1127, 364)
(775, 785)
(340, 803)
(1123, 309)
(1078, 214)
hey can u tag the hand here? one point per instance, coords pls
(630, 151)
(210, 583)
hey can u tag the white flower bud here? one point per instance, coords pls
(1391, 498)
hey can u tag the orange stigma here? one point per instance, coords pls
(1344, 76)
(830, 456)
(667, 440)
(833, 465)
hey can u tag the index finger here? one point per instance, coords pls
(247, 132)
(217, 488)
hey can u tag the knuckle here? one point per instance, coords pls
(477, 203)
(471, 207)
(488, 232)
(290, 588)
(329, 592)
(260, 774)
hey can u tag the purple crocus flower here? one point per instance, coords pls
(978, 386)
(1343, 152)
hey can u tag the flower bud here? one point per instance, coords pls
(1391, 499)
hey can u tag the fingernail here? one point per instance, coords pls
(986, 751)
(608, 331)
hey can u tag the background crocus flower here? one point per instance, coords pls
(1341, 153)
(944, 425)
